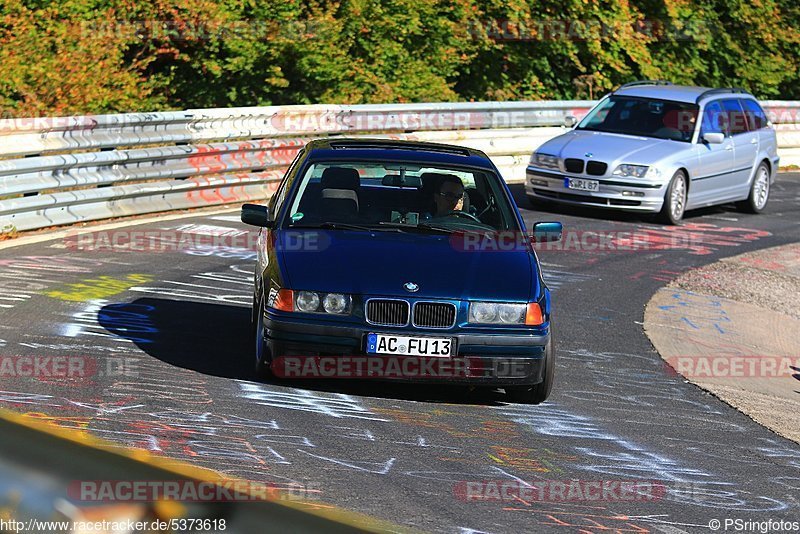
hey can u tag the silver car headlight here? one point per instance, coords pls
(637, 171)
(544, 160)
(653, 173)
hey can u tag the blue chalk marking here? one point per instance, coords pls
(687, 321)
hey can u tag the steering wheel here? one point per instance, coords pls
(489, 205)
(458, 213)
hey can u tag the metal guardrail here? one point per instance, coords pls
(43, 135)
(63, 170)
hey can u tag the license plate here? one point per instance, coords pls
(581, 185)
(409, 346)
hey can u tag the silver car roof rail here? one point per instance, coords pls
(721, 90)
(644, 82)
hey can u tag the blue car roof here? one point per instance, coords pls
(391, 150)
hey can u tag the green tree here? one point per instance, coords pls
(95, 56)
(53, 63)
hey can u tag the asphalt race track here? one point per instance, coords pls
(163, 343)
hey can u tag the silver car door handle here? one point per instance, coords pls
(728, 147)
(753, 141)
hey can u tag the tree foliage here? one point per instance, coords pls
(99, 56)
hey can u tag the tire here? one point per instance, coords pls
(253, 314)
(759, 191)
(537, 393)
(262, 350)
(675, 200)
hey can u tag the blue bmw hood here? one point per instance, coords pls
(382, 262)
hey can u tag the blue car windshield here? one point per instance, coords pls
(644, 117)
(404, 196)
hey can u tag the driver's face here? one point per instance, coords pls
(449, 198)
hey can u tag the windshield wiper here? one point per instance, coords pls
(334, 226)
(421, 227)
(329, 225)
(437, 228)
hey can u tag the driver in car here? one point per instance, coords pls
(450, 197)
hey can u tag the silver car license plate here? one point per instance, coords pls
(581, 185)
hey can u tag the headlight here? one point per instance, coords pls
(653, 173)
(309, 302)
(631, 170)
(306, 301)
(505, 313)
(511, 313)
(544, 160)
(482, 312)
(335, 303)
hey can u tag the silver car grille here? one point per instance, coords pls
(596, 168)
(573, 165)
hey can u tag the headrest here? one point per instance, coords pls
(340, 194)
(340, 178)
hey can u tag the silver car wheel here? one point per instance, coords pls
(677, 200)
(761, 188)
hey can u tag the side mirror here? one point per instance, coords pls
(570, 121)
(713, 138)
(547, 232)
(256, 215)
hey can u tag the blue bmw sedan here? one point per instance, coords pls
(400, 260)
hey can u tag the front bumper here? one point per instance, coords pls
(502, 359)
(614, 193)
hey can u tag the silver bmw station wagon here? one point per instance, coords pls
(652, 146)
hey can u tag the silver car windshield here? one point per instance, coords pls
(644, 117)
(400, 196)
